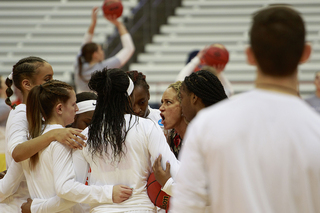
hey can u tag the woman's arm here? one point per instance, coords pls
(11, 181)
(67, 136)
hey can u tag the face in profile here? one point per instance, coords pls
(187, 107)
(44, 74)
(170, 109)
(81, 121)
(140, 101)
(69, 109)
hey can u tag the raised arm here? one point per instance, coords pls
(90, 32)
(128, 47)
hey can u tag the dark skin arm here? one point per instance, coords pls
(162, 176)
(2, 174)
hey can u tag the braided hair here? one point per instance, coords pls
(206, 86)
(40, 104)
(108, 125)
(86, 54)
(24, 68)
(139, 79)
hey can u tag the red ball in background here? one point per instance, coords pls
(157, 196)
(112, 7)
(215, 55)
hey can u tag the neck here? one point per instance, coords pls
(286, 85)
(24, 96)
(56, 120)
(181, 128)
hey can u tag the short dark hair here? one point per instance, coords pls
(277, 38)
(84, 96)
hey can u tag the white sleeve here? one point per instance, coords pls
(51, 205)
(17, 130)
(81, 166)
(87, 38)
(167, 188)
(190, 190)
(158, 145)
(67, 187)
(127, 49)
(226, 85)
(188, 69)
(11, 181)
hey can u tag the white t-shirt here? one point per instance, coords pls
(257, 152)
(54, 175)
(16, 133)
(155, 116)
(144, 141)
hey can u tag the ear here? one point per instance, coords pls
(306, 53)
(59, 109)
(194, 98)
(251, 59)
(26, 84)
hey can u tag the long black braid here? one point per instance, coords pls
(206, 86)
(108, 126)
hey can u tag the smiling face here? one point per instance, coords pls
(140, 101)
(170, 109)
(69, 109)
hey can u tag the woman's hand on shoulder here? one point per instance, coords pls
(71, 137)
(161, 175)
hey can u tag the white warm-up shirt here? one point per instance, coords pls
(255, 153)
(155, 116)
(16, 133)
(144, 142)
(54, 175)
(115, 61)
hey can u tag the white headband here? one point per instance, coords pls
(10, 76)
(130, 87)
(85, 106)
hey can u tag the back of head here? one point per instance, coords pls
(41, 102)
(206, 86)
(86, 55)
(277, 38)
(113, 103)
(23, 69)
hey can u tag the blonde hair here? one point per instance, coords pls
(176, 86)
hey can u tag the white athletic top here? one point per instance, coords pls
(189, 68)
(116, 61)
(16, 133)
(144, 141)
(54, 175)
(256, 152)
(155, 116)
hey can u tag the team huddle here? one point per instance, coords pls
(92, 148)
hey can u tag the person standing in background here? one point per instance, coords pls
(314, 101)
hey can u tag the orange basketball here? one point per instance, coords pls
(215, 55)
(112, 7)
(157, 196)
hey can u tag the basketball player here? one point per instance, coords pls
(91, 57)
(258, 152)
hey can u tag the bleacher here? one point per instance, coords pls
(54, 29)
(198, 23)
(50, 29)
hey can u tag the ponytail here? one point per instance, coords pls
(40, 105)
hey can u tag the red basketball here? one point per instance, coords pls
(157, 196)
(112, 7)
(215, 55)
